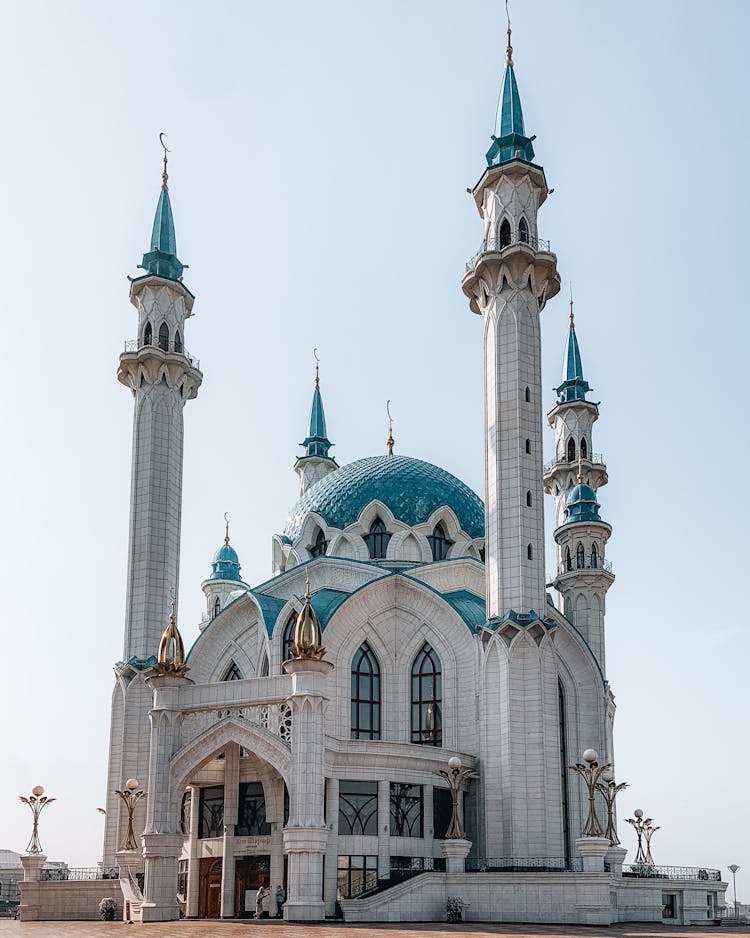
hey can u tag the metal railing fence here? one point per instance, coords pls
(495, 245)
(646, 871)
(133, 345)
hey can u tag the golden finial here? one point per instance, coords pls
(171, 656)
(509, 47)
(317, 362)
(572, 322)
(307, 584)
(226, 533)
(580, 468)
(308, 638)
(390, 441)
(164, 176)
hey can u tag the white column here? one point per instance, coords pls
(332, 850)
(384, 829)
(231, 794)
(193, 860)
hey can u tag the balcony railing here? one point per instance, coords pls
(495, 245)
(605, 565)
(79, 874)
(133, 345)
(646, 871)
(524, 865)
(596, 459)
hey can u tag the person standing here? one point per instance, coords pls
(259, 897)
(280, 897)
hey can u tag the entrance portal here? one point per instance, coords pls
(209, 891)
(250, 874)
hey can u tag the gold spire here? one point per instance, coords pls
(509, 47)
(317, 362)
(164, 176)
(390, 441)
(572, 320)
(171, 656)
(308, 639)
(580, 468)
(226, 533)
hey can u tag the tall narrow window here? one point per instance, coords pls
(594, 556)
(529, 552)
(584, 448)
(233, 673)
(320, 546)
(406, 810)
(580, 556)
(528, 446)
(287, 639)
(527, 395)
(563, 770)
(377, 540)
(177, 341)
(528, 499)
(505, 233)
(211, 812)
(568, 559)
(251, 811)
(263, 670)
(147, 334)
(439, 543)
(217, 606)
(523, 231)
(571, 450)
(427, 698)
(164, 337)
(365, 694)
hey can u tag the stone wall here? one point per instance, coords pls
(67, 900)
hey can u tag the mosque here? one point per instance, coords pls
(387, 724)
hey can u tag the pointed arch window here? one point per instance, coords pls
(164, 337)
(147, 334)
(571, 450)
(427, 698)
(320, 546)
(217, 607)
(365, 710)
(594, 556)
(504, 233)
(232, 673)
(580, 556)
(523, 231)
(527, 395)
(263, 671)
(287, 639)
(568, 559)
(584, 448)
(377, 540)
(528, 499)
(177, 341)
(439, 543)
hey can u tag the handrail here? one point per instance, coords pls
(605, 565)
(135, 345)
(496, 245)
(78, 874)
(524, 864)
(648, 871)
(595, 459)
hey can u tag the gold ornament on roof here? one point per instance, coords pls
(390, 442)
(317, 363)
(509, 47)
(171, 656)
(308, 638)
(164, 176)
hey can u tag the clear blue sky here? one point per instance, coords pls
(321, 153)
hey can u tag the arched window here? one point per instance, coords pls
(505, 233)
(365, 694)
(177, 341)
(527, 395)
(523, 231)
(594, 556)
(568, 559)
(377, 540)
(529, 552)
(584, 448)
(528, 446)
(320, 546)
(427, 698)
(528, 499)
(580, 556)
(217, 607)
(571, 450)
(164, 337)
(263, 670)
(232, 673)
(439, 543)
(287, 639)
(147, 335)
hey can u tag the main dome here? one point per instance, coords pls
(412, 490)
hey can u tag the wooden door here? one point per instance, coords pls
(209, 889)
(250, 874)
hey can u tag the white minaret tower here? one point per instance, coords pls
(162, 376)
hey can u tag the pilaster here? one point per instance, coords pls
(231, 795)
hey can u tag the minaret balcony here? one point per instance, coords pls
(134, 345)
(595, 459)
(510, 257)
(499, 245)
(564, 473)
(599, 576)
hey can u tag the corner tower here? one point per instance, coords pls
(508, 283)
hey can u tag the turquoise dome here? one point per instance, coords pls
(412, 490)
(226, 564)
(582, 505)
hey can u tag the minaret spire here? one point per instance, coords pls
(317, 461)
(161, 260)
(509, 142)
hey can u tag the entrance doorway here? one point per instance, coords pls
(250, 874)
(209, 889)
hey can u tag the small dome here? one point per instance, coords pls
(226, 563)
(582, 505)
(412, 490)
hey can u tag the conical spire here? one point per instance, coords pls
(161, 260)
(317, 443)
(574, 386)
(509, 142)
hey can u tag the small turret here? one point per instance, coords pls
(225, 578)
(316, 463)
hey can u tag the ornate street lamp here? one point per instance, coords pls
(456, 776)
(36, 802)
(130, 797)
(645, 830)
(590, 771)
(610, 791)
(734, 869)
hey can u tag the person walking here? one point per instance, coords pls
(259, 897)
(280, 897)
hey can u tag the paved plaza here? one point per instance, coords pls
(271, 929)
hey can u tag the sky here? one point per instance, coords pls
(320, 158)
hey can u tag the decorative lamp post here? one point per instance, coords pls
(36, 802)
(648, 832)
(644, 830)
(734, 869)
(590, 771)
(610, 791)
(130, 797)
(456, 776)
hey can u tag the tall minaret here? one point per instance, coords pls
(316, 463)
(508, 283)
(162, 376)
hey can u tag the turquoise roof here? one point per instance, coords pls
(411, 489)
(471, 608)
(161, 259)
(226, 564)
(574, 386)
(317, 443)
(582, 505)
(509, 141)
(270, 606)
